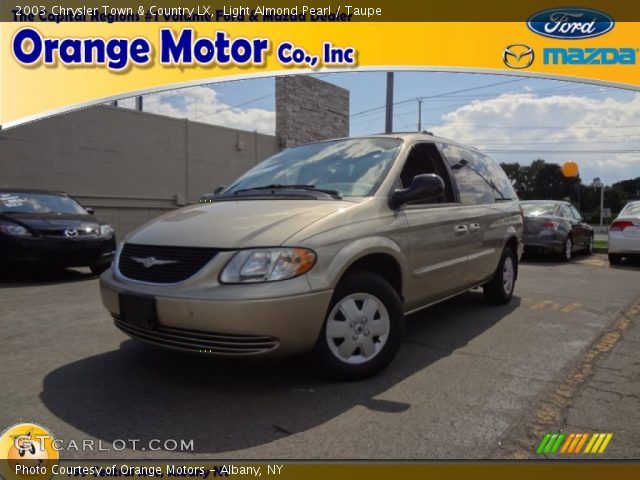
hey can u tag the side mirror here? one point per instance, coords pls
(423, 187)
(218, 189)
(90, 210)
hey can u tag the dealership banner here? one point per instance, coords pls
(278, 470)
(56, 57)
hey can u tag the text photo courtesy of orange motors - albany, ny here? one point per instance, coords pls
(291, 240)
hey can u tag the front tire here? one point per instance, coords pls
(500, 289)
(363, 329)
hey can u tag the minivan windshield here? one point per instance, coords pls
(22, 202)
(351, 167)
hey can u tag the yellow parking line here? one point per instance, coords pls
(541, 305)
(570, 308)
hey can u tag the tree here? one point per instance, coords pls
(541, 181)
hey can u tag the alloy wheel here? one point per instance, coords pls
(568, 247)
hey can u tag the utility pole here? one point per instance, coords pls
(599, 184)
(419, 114)
(601, 204)
(388, 124)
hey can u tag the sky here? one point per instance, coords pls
(512, 119)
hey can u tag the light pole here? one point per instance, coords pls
(599, 184)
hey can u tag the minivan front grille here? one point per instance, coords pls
(160, 264)
(202, 342)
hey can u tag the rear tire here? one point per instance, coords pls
(567, 251)
(500, 289)
(363, 328)
(589, 250)
(615, 259)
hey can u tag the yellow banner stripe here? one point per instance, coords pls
(591, 442)
(582, 441)
(567, 442)
(605, 443)
(596, 445)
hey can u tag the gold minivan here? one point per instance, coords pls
(323, 247)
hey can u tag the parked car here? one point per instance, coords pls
(47, 228)
(555, 227)
(325, 248)
(624, 234)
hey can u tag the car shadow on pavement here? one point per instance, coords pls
(551, 259)
(628, 263)
(142, 392)
(34, 276)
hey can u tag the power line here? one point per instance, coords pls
(460, 99)
(412, 99)
(233, 107)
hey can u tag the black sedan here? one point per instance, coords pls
(555, 227)
(45, 228)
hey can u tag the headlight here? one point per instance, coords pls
(15, 230)
(106, 230)
(267, 265)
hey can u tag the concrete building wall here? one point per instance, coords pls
(130, 166)
(308, 110)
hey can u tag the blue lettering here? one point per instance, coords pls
(28, 35)
(172, 51)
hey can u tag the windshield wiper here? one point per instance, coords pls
(278, 186)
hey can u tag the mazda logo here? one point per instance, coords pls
(71, 232)
(518, 56)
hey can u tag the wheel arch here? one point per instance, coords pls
(381, 256)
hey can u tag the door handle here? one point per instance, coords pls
(460, 229)
(474, 227)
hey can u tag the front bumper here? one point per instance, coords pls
(59, 252)
(620, 244)
(230, 326)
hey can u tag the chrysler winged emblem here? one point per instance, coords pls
(518, 56)
(148, 262)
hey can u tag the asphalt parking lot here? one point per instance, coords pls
(471, 381)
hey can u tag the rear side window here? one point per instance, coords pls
(565, 211)
(576, 213)
(480, 180)
(631, 209)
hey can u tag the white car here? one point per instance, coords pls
(624, 234)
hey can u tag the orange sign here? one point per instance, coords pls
(570, 169)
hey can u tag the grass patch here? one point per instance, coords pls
(600, 244)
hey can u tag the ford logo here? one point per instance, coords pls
(570, 23)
